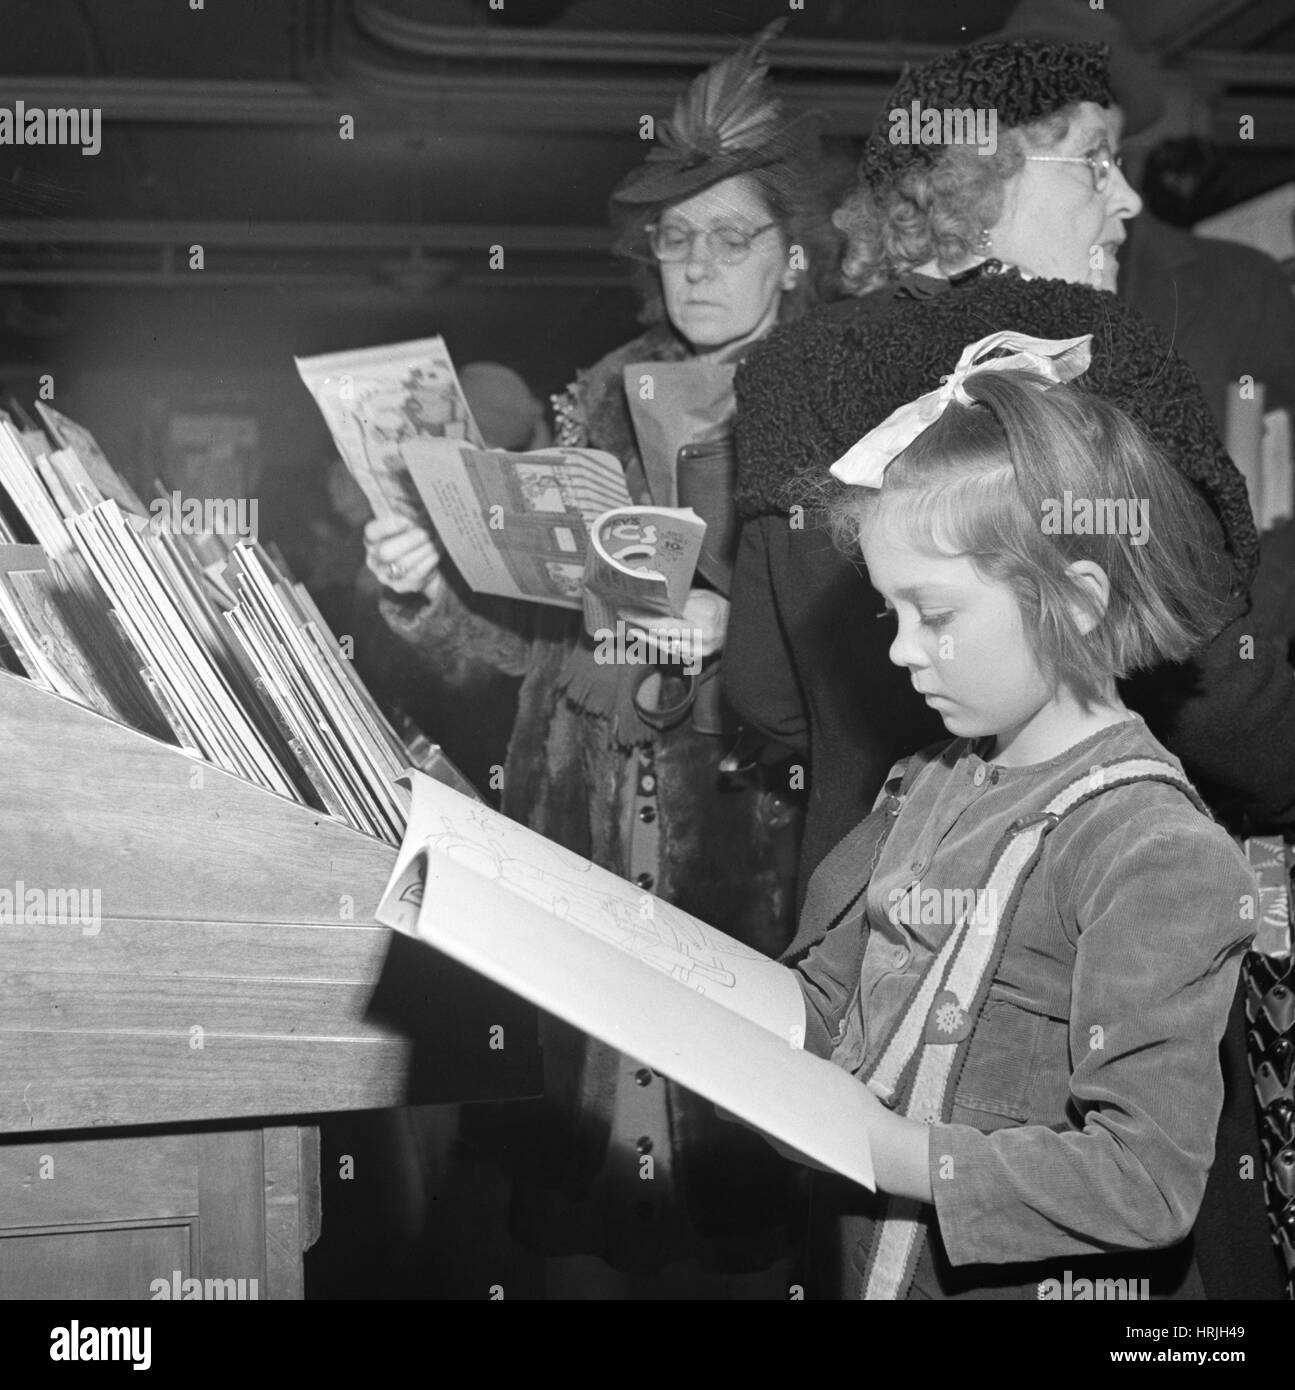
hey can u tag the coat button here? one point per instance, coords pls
(644, 1145)
(643, 1076)
(647, 814)
(647, 784)
(979, 776)
(645, 881)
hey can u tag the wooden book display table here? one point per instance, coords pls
(190, 971)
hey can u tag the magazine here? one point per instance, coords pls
(555, 526)
(636, 972)
(517, 525)
(376, 401)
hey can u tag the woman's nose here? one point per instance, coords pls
(1121, 198)
(700, 264)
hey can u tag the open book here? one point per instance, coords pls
(624, 966)
(517, 525)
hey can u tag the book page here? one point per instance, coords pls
(377, 400)
(517, 525)
(641, 560)
(85, 464)
(641, 975)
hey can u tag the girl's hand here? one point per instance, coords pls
(698, 634)
(401, 554)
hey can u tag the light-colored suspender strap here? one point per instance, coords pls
(959, 970)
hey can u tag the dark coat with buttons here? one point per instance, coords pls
(725, 852)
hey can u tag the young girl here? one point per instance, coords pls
(1034, 981)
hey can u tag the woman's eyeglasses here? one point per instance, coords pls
(1100, 163)
(727, 245)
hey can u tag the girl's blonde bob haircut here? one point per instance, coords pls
(990, 481)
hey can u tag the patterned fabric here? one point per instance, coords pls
(1268, 976)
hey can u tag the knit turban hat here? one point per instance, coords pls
(1021, 80)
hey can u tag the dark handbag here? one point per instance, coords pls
(704, 482)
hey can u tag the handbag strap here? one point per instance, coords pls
(927, 1048)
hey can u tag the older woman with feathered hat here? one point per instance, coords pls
(621, 761)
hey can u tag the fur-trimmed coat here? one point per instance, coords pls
(725, 855)
(566, 773)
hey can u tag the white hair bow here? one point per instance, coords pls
(1058, 359)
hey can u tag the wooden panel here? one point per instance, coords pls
(291, 1206)
(124, 1179)
(231, 1181)
(295, 1020)
(246, 1202)
(159, 833)
(91, 1264)
(197, 948)
(221, 908)
(133, 1078)
(147, 1003)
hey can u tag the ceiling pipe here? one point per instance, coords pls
(306, 236)
(598, 48)
(160, 278)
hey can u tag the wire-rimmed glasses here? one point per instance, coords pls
(1100, 163)
(672, 242)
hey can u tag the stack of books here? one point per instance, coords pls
(105, 602)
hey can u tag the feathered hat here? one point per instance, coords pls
(726, 123)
